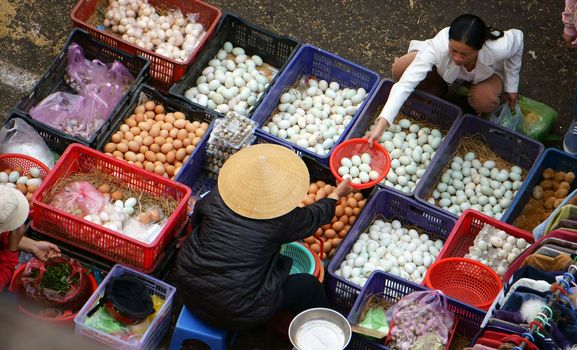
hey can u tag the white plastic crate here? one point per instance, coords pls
(155, 331)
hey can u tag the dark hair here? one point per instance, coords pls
(471, 30)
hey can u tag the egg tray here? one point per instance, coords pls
(232, 131)
(275, 50)
(217, 155)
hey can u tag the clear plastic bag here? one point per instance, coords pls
(19, 137)
(513, 120)
(417, 314)
(79, 198)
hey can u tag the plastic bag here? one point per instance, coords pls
(429, 341)
(19, 137)
(510, 119)
(538, 118)
(76, 115)
(102, 321)
(58, 282)
(417, 314)
(79, 198)
(80, 72)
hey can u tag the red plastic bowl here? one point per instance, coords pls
(380, 159)
(64, 320)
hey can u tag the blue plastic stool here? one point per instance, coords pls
(190, 327)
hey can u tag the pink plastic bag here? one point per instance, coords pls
(79, 198)
(81, 72)
(417, 314)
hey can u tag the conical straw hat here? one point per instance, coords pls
(263, 181)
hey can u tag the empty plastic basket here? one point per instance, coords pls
(303, 260)
(466, 280)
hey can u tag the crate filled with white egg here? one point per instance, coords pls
(484, 239)
(413, 137)
(479, 166)
(235, 69)
(169, 33)
(315, 101)
(394, 233)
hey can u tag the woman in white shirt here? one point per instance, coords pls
(468, 52)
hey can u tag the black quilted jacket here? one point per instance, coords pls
(230, 272)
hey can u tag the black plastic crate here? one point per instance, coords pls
(53, 81)
(274, 49)
(170, 104)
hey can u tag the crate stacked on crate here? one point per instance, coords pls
(92, 15)
(393, 214)
(548, 183)
(238, 47)
(480, 165)
(157, 328)
(482, 238)
(311, 77)
(54, 81)
(390, 289)
(156, 132)
(149, 211)
(420, 115)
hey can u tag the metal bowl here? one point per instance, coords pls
(322, 327)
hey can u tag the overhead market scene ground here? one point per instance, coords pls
(288, 175)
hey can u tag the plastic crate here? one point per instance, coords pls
(53, 81)
(170, 104)
(551, 158)
(393, 288)
(392, 205)
(163, 70)
(273, 49)
(509, 145)
(157, 328)
(419, 106)
(95, 238)
(468, 227)
(310, 60)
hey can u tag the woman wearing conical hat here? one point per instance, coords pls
(230, 271)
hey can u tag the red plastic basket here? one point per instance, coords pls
(466, 280)
(467, 228)
(64, 320)
(95, 238)
(163, 70)
(380, 159)
(11, 161)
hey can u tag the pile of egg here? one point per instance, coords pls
(113, 216)
(469, 183)
(15, 178)
(233, 81)
(315, 114)
(358, 169)
(411, 148)
(173, 35)
(496, 248)
(390, 247)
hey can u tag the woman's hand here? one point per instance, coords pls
(40, 249)
(343, 188)
(570, 40)
(378, 130)
(511, 98)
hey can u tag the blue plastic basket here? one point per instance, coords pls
(419, 106)
(303, 260)
(157, 328)
(509, 145)
(551, 158)
(392, 288)
(310, 60)
(391, 205)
